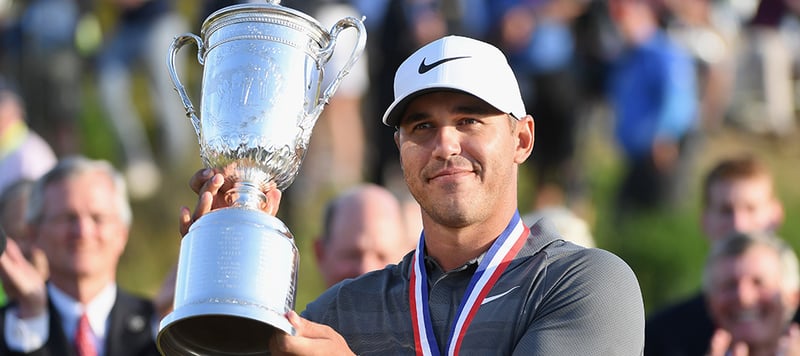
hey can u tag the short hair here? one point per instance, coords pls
(345, 200)
(739, 243)
(743, 166)
(73, 166)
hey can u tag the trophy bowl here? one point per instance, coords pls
(261, 95)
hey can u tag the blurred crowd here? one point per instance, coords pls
(664, 72)
(656, 76)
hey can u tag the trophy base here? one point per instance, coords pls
(235, 330)
(235, 281)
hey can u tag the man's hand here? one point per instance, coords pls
(22, 282)
(310, 339)
(211, 188)
(789, 344)
(722, 344)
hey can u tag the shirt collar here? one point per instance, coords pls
(71, 310)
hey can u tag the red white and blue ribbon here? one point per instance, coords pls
(500, 254)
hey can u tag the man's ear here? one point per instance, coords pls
(779, 214)
(397, 144)
(525, 138)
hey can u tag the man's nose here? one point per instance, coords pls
(448, 142)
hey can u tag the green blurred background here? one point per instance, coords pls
(665, 250)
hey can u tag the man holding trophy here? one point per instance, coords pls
(480, 281)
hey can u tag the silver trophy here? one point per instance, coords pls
(260, 98)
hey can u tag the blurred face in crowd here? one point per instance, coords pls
(81, 230)
(633, 18)
(748, 298)
(366, 233)
(459, 157)
(741, 205)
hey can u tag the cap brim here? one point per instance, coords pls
(395, 111)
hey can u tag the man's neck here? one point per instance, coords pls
(83, 290)
(453, 247)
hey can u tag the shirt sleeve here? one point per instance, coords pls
(26, 335)
(591, 304)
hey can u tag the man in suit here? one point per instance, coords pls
(80, 216)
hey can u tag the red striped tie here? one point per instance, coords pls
(84, 345)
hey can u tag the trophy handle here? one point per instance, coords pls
(176, 45)
(326, 53)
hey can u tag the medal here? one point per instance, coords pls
(500, 254)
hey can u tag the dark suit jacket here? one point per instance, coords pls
(130, 330)
(682, 329)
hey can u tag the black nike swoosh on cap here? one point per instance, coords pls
(424, 68)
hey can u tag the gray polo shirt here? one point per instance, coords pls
(555, 298)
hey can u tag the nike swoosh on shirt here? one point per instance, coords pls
(424, 68)
(498, 296)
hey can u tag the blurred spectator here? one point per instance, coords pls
(23, 153)
(752, 284)
(363, 230)
(80, 216)
(764, 99)
(653, 92)
(48, 64)
(342, 121)
(738, 197)
(13, 202)
(692, 23)
(537, 36)
(142, 35)
(569, 225)
(337, 151)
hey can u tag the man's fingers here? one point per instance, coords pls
(212, 185)
(720, 342)
(12, 258)
(199, 179)
(284, 344)
(185, 220)
(203, 206)
(740, 349)
(8, 260)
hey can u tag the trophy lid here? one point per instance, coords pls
(269, 12)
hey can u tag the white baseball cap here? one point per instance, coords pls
(456, 63)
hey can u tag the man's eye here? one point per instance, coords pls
(469, 121)
(422, 126)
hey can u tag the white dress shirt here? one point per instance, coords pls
(26, 335)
